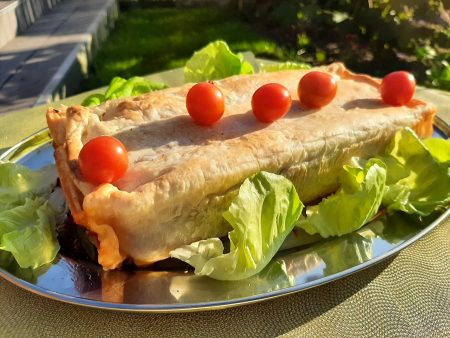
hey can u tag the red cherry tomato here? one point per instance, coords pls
(271, 102)
(205, 103)
(398, 88)
(103, 159)
(316, 89)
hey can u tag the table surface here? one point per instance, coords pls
(407, 295)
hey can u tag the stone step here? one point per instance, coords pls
(49, 60)
(17, 15)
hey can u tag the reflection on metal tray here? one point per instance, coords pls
(85, 283)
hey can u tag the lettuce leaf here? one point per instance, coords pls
(18, 183)
(8, 263)
(120, 88)
(136, 85)
(352, 206)
(215, 61)
(28, 233)
(262, 215)
(422, 170)
(93, 100)
(114, 86)
(27, 220)
(275, 67)
(439, 149)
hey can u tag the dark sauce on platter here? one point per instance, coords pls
(78, 244)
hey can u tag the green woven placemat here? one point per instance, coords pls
(407, 296)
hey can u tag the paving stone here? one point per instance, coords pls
(30, 61)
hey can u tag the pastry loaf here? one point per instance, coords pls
(182, 176)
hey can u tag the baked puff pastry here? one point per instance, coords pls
(182, 176)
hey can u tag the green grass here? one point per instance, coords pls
(145, 41)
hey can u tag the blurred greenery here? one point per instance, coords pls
(145, 41)
(371, 36)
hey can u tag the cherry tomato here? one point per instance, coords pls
(317, 89)
(271, 102)
(103, 159)
(205, 103)
(398, 88)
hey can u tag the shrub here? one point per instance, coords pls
(376, 37)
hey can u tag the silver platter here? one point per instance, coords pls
(174, 289)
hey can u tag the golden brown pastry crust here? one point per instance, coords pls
(181, 173)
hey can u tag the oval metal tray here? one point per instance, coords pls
(85, 283)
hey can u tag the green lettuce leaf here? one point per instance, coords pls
(352, 206)
(114, 86)
(8, 263)
(121, 88)
(275, 67)
(18, 183)
(93, 100)
(28, 233)
(215, 61)
(421, 172)
(131, 87)
(439, 149)
(262, 215)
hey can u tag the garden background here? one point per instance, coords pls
(373, 36)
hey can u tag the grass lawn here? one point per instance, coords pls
(145, 41)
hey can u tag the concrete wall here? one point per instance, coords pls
(18, 15)
(65, 82)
